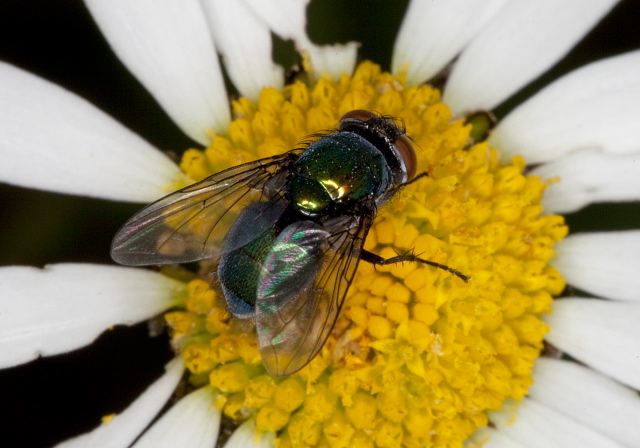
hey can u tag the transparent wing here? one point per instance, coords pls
(299, 299)
(190, 224)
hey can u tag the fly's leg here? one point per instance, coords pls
(374, 259)
(377, 260)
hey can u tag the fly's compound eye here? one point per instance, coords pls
(358, 114)
(408, 155)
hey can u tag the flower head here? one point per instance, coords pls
(411, 340)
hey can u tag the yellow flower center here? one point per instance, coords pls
(417, 356)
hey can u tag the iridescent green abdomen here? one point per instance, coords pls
(262, 262)
(240, 269)
(245, 248)
(338, 170)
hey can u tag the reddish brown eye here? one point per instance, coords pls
(358, 114)
(408, 154)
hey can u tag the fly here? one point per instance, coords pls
(287, 231)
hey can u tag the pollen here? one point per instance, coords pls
(418, 356)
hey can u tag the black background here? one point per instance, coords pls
(51, 399)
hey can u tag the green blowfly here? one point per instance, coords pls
(287, 232)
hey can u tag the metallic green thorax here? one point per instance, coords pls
(339, 169)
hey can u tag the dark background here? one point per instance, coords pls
(51, 399)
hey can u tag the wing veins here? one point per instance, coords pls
(203, 207)
(149, 236)
(345, 258)
(230, 191)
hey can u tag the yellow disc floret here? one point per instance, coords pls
(418, 357)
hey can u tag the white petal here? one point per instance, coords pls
(246, 437)
(604, 263)
(538, 426)
(332, 59)
(66, 306)
(53, 140)
(287, 19)
(245, 44)
(193, 422)
(587, 177)
(596, 107)
(603, 334)
(523, 40)
(167, 46)
(124, 428)
(607, 406)
(498, 439)
(433, 33)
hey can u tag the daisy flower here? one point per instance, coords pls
(539, 348)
